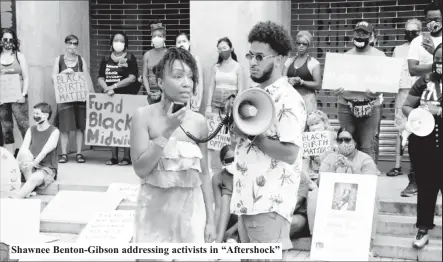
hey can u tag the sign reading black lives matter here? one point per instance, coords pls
(70, 87)
(108, 118)
(316, 143)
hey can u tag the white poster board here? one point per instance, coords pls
(10, 175)
(344, 217)
(70, 87)
(19, 220)
(360, 73)
(127, 191)
(10, 88)
(109, 227)
(108, 119)
(221, 139)
(317, 143)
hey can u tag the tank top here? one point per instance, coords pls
(226, 84)
(13, 68)
(304, 73)
(38, 141)
(62, 65)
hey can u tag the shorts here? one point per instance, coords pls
(265, 228)
(71, 117)
(49, 176)
(400, 119)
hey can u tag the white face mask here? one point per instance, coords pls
(118, 46)
(184, 46)
(158, 42)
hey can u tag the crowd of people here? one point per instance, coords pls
(267, 190)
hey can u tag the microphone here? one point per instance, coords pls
(247, 110)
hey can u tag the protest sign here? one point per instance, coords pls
(10, 175)
(105, 227)
(344, 217)
(108, 118)
(10, 88)
(221, 139)
(20, 220)
(70, 87)
(352, 73)
(317, 143)
(127, 191)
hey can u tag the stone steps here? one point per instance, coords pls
(404, 226)
(401, 248)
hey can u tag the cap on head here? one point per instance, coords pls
(365, 26)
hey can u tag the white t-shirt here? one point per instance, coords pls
(401, 51)
(418, 53)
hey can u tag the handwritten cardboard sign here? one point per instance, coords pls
(106, 227)
(344, 217)
(360, 73)
(221, 139)
(108, 118)
(316, 143)
(127, 191)
(70, 87)
(10, 176)
(10, 88)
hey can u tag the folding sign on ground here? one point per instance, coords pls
(129, 192)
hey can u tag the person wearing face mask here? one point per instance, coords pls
(151, 58)
(304, 71)
(364, 123)
(71, 116)
(183, 41)
(175, 201)
(348, 159)
(412, 30)
(12, 61)
(118, 74)
(40, 144)
(226, 80)
(426, 151)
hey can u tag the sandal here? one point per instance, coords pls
(396, 171)
(112, 161)
(125, 162)
(63, 159)
(80, 158)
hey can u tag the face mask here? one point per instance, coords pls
(437, 67)
(346, 148)
(39, 120)
(158, 42)
(434, 27)
(410, 35)
(118, 46)
(361, 42)
(317, 127)
(184, 46)
(8, 45)
(225, 54)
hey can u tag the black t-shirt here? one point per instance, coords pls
(428, 88)
(112, 72)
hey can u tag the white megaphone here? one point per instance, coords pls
(420, 122)
(253, 111)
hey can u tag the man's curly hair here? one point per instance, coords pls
(183, 55)
(274, 35)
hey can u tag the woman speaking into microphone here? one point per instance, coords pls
(175, 202)
(426, 151)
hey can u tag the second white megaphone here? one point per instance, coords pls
(420, 122)
(253, 111)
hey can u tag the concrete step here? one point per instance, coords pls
(404, 226)
(405, 206)
(401, 248)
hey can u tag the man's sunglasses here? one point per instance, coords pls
(344, 139)
(72, 43)
(258, 57)
(228, 160)
(10, 40)
(411, 31)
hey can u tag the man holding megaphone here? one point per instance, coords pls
(269, 121)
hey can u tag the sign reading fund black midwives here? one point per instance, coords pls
(316, 143)
(108, 118)
(70, 87)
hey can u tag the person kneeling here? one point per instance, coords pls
(38, 154)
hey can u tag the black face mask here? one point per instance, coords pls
(38, 119)
(410, 35)
(361, 43)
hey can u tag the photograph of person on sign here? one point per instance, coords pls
(345, 197)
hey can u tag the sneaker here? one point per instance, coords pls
(396, 171)
(411, 189)
(421, 239)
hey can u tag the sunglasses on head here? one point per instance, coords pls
(228, 160)
(10, 40)
(344, 139)
(258, 57)
(72, 43)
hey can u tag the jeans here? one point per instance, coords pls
(364, 130)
